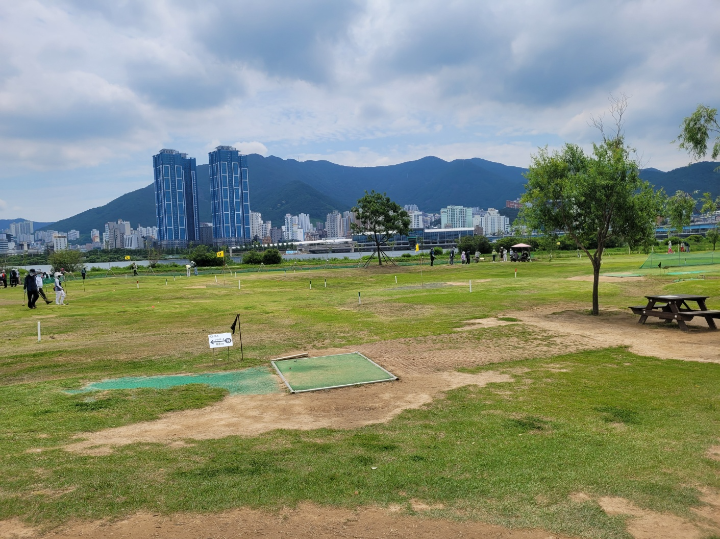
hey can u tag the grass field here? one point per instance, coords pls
(605, 423)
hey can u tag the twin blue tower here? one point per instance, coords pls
(177, 201)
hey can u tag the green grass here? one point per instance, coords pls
(608, 423)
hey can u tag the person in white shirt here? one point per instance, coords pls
(59, 292)
(39, 281)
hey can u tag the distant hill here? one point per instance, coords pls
(280, 186)
(696, 177)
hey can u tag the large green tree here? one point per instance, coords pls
(593, 198)
(679, 209)
(696, 132)
(379, 217)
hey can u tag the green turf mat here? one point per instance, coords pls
(253, 381)
(314, 373)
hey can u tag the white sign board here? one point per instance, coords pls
(220, 340)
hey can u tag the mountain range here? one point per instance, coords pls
(280, 186)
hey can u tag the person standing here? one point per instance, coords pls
(432, 256)
(477, 257)
(30, 286)
(39, 282)
(462, 257)
(504, 254)
(59, 292)
(83, 272)
(494, 253)
(3, 278)
(14, 278)
(452, 256)
(134, 267)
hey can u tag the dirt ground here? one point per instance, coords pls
(306, 520)
(426, 368)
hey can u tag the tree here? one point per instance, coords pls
(679, 209)
(380, 217)
(271, 256)
(203, 256)
(713, 236)
(696, 131)
(66, 259)
(592, 198)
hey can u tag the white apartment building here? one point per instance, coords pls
(456, 217)
(95, 235)
(416, 219)
(494, 223)
(60, 242)
(334, 225)
(256, 224)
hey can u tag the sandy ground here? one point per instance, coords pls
(306, 520)
(426, 367)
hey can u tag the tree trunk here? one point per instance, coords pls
(596, 281)
(377, 243)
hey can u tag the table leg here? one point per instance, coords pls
(681, 323)
(648, 307)
(710, 321)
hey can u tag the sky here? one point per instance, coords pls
(89, 91)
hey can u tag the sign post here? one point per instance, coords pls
(220, 340)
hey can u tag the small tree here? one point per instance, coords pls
(203, 256)
(679, 209)
(592, 198)
(252, 257)
(271, 256)
(66, 259)
(713, 236)
(696, 131)
(381, 218)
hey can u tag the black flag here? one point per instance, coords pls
(237, 320)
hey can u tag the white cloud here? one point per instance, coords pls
(252, 147)
(3, 204)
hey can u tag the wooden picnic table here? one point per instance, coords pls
(671, 307)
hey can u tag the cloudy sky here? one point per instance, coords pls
(89, 91)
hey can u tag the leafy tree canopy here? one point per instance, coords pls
(379, 217)
(68, 260)
(696, 131)
(679, 209)
(591, 197)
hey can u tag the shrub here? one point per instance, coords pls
(405, 255)
(252, 257)
(438, 251)
(271, 256)
(204, 257)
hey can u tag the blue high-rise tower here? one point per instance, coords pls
(176, 199)
(230, 196)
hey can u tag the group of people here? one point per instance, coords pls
(14, 278)
(33, 286)
(514, 256)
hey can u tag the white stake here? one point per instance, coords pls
(470, 285)
(216, 278)
(138, 283)
(516, 273)
(239, 287)
(325, 283)
(359, 301)
(38, 331)
(396, 279)
(310, 285)
(165, 282)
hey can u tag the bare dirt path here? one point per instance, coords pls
(307, 520)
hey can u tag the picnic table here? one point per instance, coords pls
(676, 307)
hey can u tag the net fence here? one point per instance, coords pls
(675, 260)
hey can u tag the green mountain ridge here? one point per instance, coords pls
(279, 186)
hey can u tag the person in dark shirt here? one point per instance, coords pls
(30, 286)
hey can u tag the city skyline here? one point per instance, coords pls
(88, 91)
